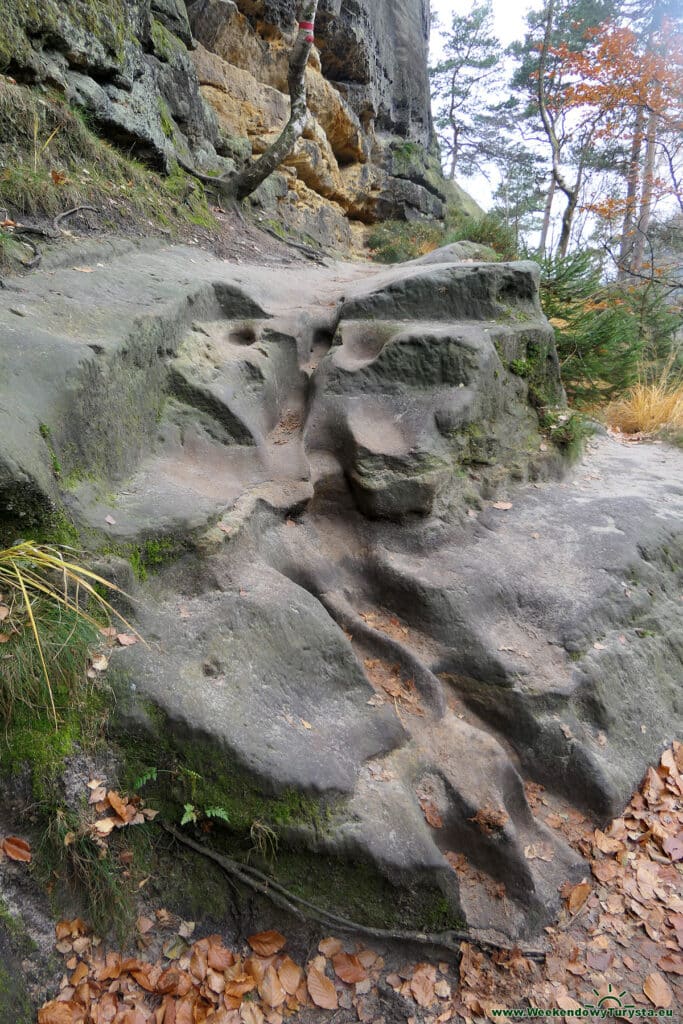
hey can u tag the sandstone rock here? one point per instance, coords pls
(351, 640)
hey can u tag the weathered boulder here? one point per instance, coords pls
(401, 405)
(349, 633)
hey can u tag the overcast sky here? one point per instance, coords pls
(509, 15)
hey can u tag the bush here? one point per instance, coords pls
(598, 339)
(487, 230)
(396, 241)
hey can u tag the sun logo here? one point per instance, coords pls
(611, 998)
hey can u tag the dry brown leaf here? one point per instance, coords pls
(672, 964)
(117, 803)
(657, 991)
(431, 813)
(330, 946)
(17, 849)
(267, 943)
(271, 989)
(567, 1003)
(127, 639)
(250, 1013)
(105, 826)
(422, 985)
(578, 896)
(290, 975)
(219, 958)
(606, 844)
(321, 990)
(503, 506)
(349, 968)
(673, 846)
(60, 1013)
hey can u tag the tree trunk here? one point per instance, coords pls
(632, 190)
(645, 212)
(543, 241)
(248, 180)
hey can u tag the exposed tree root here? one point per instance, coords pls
(305, 249)
(69, 213)
(303, 909)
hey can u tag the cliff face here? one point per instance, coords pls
(208, 81)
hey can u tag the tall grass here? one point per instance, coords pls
(58, 605)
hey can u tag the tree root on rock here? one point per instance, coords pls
(69, 213)
(20, 230)
(304, 910)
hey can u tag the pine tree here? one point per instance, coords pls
(462, 84)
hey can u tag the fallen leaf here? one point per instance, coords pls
(578, 896)
(84, 270)
(56, 1012)
(567, 1003)
(109, 519)
(349, 968)
(657, 991)
(126, 639)
(290, 975)
(432, 816)
(58, 177)
(271, 989)
(117, 804)
(321, 990)
(503, 506)
(422, 985)
(267, 943)
(105, 826)
(250, 1013)
(673, 845)
(672, 964)
(17, 849)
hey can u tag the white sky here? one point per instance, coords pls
(510, 22)
(509, 15)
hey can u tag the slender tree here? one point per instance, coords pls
(463, 83)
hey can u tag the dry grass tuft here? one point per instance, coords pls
(648, 408)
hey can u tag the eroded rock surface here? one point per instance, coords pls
(380, 591)
(207, 82)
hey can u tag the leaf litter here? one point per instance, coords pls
(620, 929)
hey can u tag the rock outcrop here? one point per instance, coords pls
(381, 605)
(208, 83)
